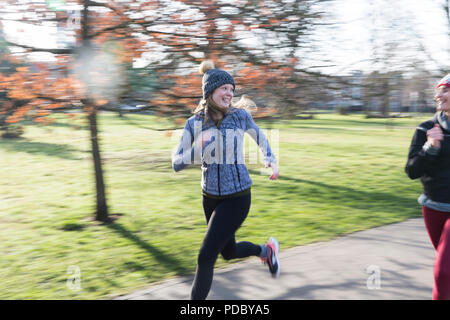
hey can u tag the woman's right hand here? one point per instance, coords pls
(204, 137)
(435, 136)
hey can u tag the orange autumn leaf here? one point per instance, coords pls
(100, 102)
(22, 69)
(179, 121)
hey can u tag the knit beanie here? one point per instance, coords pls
(213, 78)
(445, 81)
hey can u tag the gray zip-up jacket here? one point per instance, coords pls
(222, 158)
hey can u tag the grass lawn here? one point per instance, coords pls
(338, 174)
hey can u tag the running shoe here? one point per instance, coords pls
(272, 257)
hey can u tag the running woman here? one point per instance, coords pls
(217, 131)
(429, 160)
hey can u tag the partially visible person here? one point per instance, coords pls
(429, 160)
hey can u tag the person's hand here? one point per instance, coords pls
(275, 172)
(435, 136)
(204, 137)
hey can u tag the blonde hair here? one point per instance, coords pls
(246, 103)
(207, 104)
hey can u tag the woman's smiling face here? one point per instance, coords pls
(223, 95)
(442, 98)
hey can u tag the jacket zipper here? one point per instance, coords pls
(236, 165)
(239, 176)
(218, 165)
(218, 177)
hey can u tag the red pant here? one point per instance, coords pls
(438, 227)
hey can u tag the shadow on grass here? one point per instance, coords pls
(63, 151)
(57, 124)
(343, 125)
(170, 262)
(345, 195)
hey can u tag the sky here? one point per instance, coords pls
(41, 37)
(348, 44)
(342, 47)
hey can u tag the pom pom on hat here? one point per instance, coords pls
(445, 81)
(213, 78)
(205, 66)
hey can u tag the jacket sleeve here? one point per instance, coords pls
(260, 138)
(420, 156)
(183, 155)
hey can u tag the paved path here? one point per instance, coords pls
(343, 268)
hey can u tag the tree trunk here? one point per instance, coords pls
(101, 213)
(102, 209)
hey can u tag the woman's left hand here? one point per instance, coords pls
(275, 172)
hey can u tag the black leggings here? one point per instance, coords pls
(224, 217)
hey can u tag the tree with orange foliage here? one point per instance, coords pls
(258, 41)
(99, 42)
(84, 76)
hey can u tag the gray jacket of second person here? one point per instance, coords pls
(222, 158)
